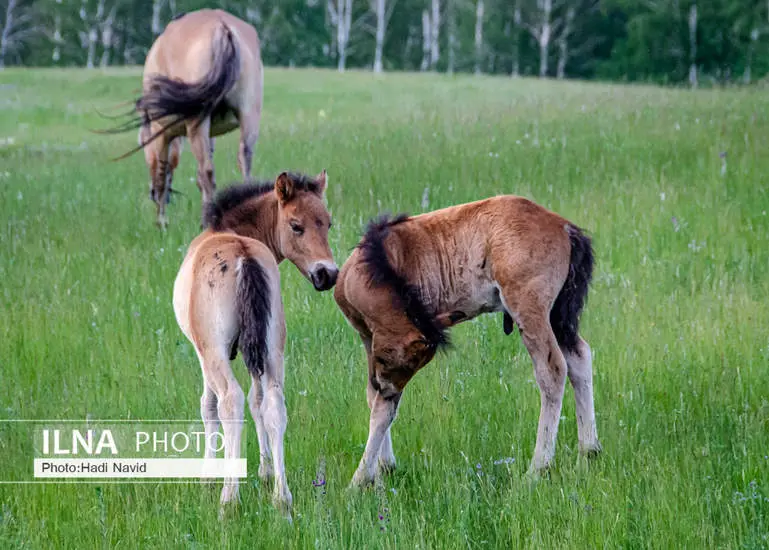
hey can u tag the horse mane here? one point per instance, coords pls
(232, 197)
(383, 273)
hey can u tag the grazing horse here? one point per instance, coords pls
(227, 298)
(411, 278)
(203, 77)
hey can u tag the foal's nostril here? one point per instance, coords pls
(324, 278)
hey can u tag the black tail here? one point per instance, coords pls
(564, 317)
(185, 102)
(253, 297)
(383, 273)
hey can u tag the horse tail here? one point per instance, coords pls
(191, 101)
(253, 308)
(564, 316)
(383, 273)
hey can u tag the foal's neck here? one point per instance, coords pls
(258, 219)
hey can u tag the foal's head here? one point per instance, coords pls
(302, 227)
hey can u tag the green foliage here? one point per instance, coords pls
(677, 315)
(610, 39)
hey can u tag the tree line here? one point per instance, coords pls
(689, 42)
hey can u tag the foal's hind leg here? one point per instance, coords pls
(549, 370)
(580, 364)
(274, 406)
(230, 401)
(210, 416)
(255, 400)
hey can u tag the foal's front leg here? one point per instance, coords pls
(383, 411)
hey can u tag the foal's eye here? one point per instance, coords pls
(296, 228)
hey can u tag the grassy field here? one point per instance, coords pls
(677, 315)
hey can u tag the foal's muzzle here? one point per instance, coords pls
(323, 275)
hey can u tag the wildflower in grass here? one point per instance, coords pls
(507, 460)
(722, 156)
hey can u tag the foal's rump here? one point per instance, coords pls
(232, 285)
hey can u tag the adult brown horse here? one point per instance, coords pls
(227, 298)
(203, 77)
(411, 278)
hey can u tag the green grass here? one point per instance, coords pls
(677, 315)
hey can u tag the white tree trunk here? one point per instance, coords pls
(341, 18)
(746, 76)
(56, 54)
(516, 39)
(435, 21)
(546, 7)
(157, 28)
(426, 41)
(6, 33)
(451, 24)
(478, 36)
(380, 35)
(693, 46)
(107, 36)
(563, 43)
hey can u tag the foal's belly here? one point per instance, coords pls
(482, 297)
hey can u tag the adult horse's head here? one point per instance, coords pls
(159, 188)
(302, 227)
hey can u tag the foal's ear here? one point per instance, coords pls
(322, 181)
(284, 187)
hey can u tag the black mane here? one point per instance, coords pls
(383, 273)
(232, 197)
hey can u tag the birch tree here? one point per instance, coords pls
(381, 23)
(340, 13)
(435, 22)
(19, 24)
(540, 26)
(693, 45)
(563, 41)
(451, 31)
(516, 39)
(478, 35)
(426, 41)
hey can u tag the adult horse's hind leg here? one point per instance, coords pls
(249, 133)
(255, 400)
(200, 143)
(580, 365)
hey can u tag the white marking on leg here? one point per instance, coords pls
(382, 415)
(580, 365)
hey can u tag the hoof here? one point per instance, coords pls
(283, 503)
(590, 450)
(266, 475)
(386, 467)
(229, 494)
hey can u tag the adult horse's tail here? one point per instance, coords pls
(253, 297)
(564, 316)
(193, 101)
